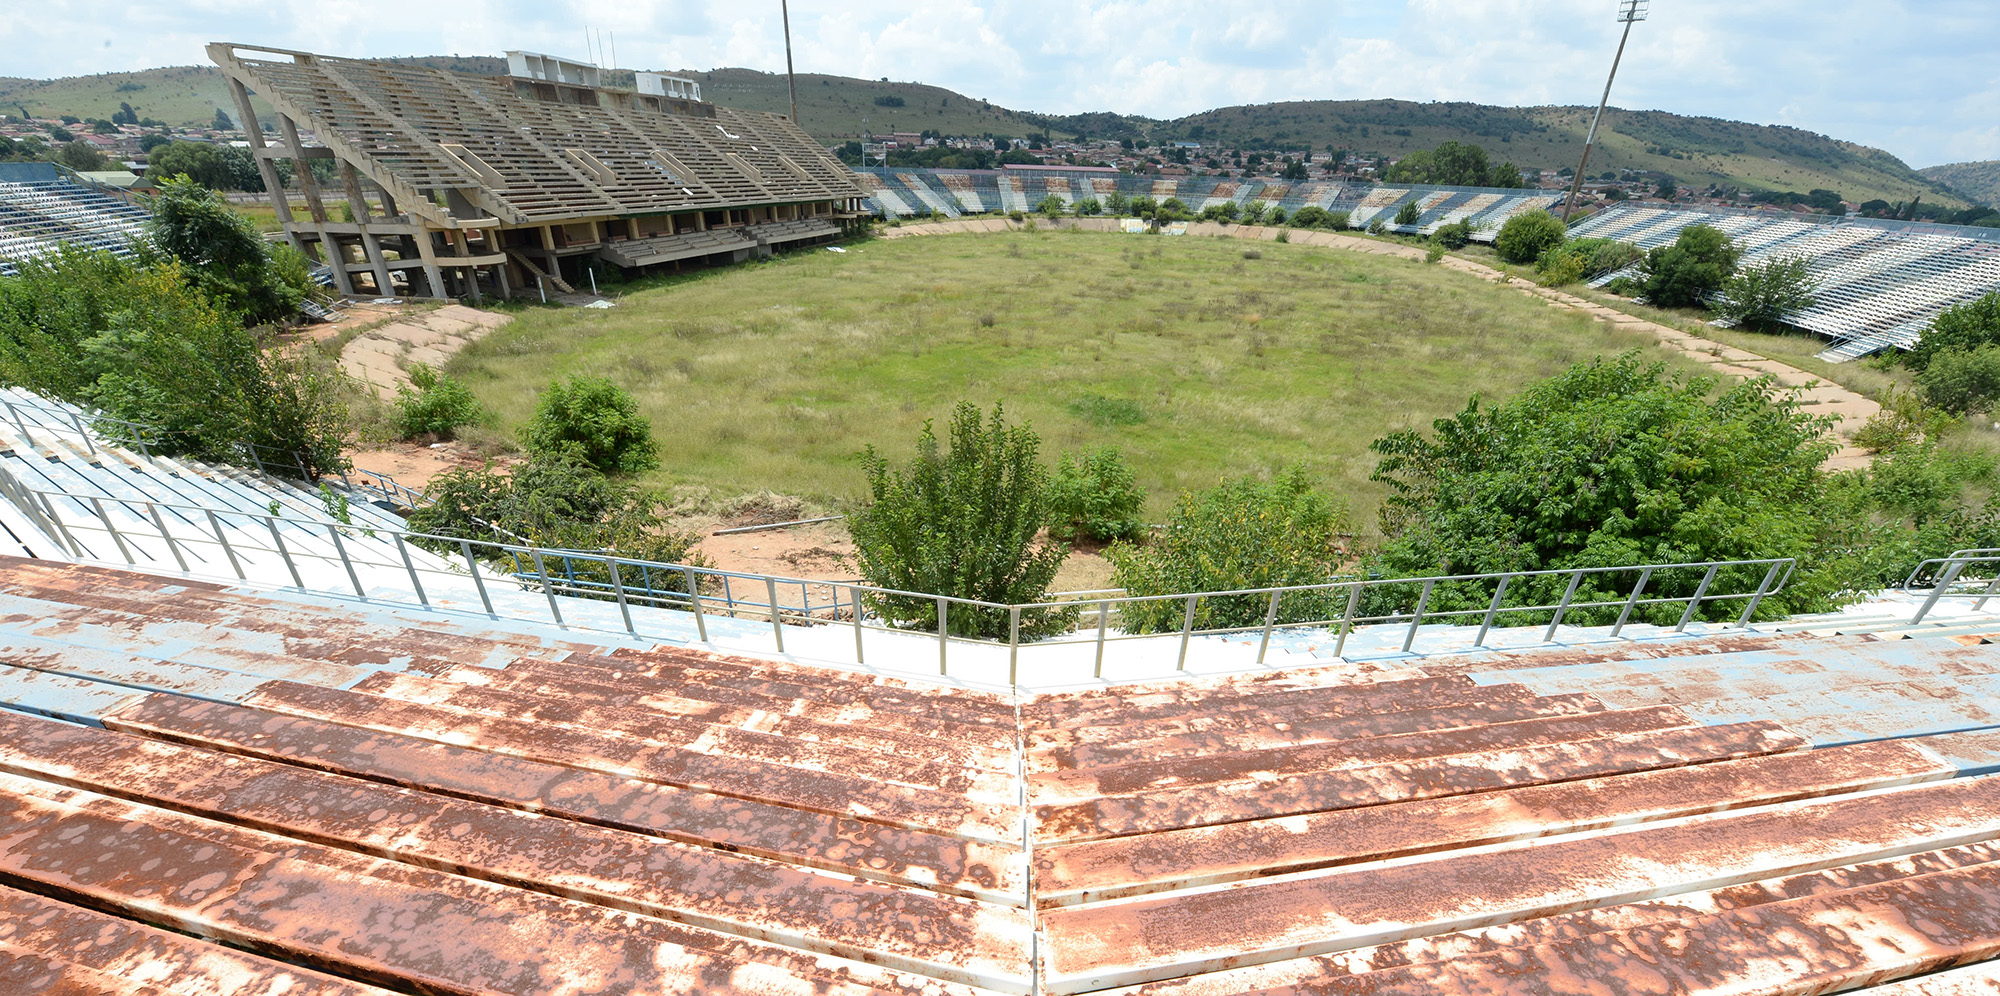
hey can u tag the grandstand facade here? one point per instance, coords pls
(897, 192)
(1880, 283)
(503, 184)
(43, 206)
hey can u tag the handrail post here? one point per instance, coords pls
(284, 553)
(1990, 589)
(1492, 609)
(854, 592)
(90, 444)
(943, 636)
(102, 516)
(333, 530)
(777, 626)
(227, 551)
(1417, 617)
(1013, 645)
(472, 564)
(694, 601)
(1694, 601)
(548, 588)
(618, 589)
(1626, 613)
(409, 565)
(1762, 587)
(167, 537)
(1270, 619)
(1575, 579)
(1187, 630)
(1103, 620)
(1347, 616)
(1943, 582)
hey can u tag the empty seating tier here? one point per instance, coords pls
(42, 209)
(203, 782)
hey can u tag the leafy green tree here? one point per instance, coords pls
(1117, 204)
(1527, 235)
(1962, 381)
(1253, 212)
(1241, 533)
(1697, 264)
(961, 523)
(1088, 206)
(199, 161)
(1456, 235)
(1960, 328)
(81, 155)
(1408, 213)
(1762, 294)
(1172, 209)
(223, 253)
(1577, 259)
(1610, 463)
(590, 420)
(1312, 216)
(1456, 164)
(222, 122)
(1094, 496)
(1052, 206)
(1294, 171)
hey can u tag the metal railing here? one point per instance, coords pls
(574, 589)
(1948, 579)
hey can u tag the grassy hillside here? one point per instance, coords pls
(1697, 151)
(1980, 181)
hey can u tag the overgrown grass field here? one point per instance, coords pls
(1193, 359)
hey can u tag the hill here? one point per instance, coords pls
(1697, 151)
(1979, 181)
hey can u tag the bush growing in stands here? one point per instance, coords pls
(1527, 235)
(1277, 216)
(223, 254)
(1408, 213)
(1377, 226)
(1253, 212)
(437, 406)
(1684, 274)
(1456, 235)
(1143, 207)
(592, 421)
(1241, 533)
(559, 503)
(1172, 209)
(1094, 496)
(1962, 381)
(1961, 328)
(1612, 463)
(1312, 216)
(961, 522)
(1052, 206)
(1338, 220)
(1225, 212)
(1088, 206)
(1579, 259)
(1763, 293)
(1117, 204)
(140, 341)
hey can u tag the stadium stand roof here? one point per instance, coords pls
(260, 785)
(43, 207)
(509, 179)
(1880, 283)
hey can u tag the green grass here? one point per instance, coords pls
(1194, 361)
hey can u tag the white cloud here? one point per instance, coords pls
(1914, 76)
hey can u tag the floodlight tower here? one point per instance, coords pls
(791, 80)
(1629, 12)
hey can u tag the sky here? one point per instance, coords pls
(1919, 78)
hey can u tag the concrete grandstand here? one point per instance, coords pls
(238, 753)
(497, 185)
(44, 206)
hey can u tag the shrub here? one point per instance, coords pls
(1762, 294)
(1242, 533)
(1556, 269)
(1624, 287)
(1377, 226)
(1963, 327)
(438, 406)
(961, 523)
(1579, 259)
(1408, 213)
(1312, 216)
(1337, 220)
(558, 503)
(1277, 216)
(1455, 235)
(1284, 235)
(1962, 381)
(1684, 274)
(1434, 254)
(1088, 206)
(591, 420)
(1611, 463)
(1094, 496)
(1253, 212)
(1052, 206)
(1527, 235)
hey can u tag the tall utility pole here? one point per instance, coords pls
(1629, 11)
(785, 11)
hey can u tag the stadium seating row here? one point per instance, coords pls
(1879, 284)
(41, 209)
